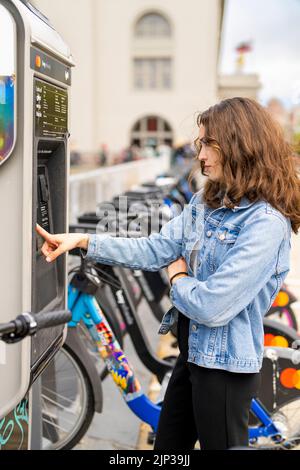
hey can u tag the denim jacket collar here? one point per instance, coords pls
(244, 204)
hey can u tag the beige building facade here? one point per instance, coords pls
(239, 84)
(144, 67)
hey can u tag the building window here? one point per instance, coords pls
(153, 74)
(153, 25)
(151, 131)
(152, 69)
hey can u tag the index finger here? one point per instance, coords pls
(43, 232)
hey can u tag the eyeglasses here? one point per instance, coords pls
(199, 143)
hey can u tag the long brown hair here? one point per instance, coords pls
(257, 161)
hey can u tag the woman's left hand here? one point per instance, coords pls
(177, 266)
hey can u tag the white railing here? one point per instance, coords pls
(89, 188)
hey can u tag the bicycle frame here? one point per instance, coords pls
(268, 429)
(85, 307)
(134, 326)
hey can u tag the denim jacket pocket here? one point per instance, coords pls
(226, 237)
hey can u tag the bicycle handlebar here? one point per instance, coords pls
(51, 319)
(276, 352)
(28, 324)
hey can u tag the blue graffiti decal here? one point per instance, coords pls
(14, 428)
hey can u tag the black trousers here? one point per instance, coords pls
(209, 405)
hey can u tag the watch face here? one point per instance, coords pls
(7, 117)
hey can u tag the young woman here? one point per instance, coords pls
(227, 256)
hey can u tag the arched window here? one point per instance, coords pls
(152, 65)
(151, 131)
(153, 25)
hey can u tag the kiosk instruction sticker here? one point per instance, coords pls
(51, 110)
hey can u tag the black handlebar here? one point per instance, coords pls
(50, 319)
(28, 324)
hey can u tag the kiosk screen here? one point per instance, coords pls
(51, 103)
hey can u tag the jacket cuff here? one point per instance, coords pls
(94, 246)
(183, 283)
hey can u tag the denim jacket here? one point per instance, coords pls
(237, 261)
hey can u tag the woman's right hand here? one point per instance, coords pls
(56, 245)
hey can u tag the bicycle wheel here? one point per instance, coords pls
(287, 419)
(284, 315)
(280, 397)
(67, 401)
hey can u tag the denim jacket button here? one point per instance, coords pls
(194, 327)
(222, 236)
(209, 233)
(163, 330)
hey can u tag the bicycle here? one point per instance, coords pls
(270, 427)
(14, 426)
(72, 363)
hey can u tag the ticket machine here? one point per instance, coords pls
(35, 81)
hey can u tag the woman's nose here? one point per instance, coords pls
(202, 156)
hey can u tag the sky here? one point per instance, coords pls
(273, 27)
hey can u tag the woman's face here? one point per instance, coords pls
(209, 158)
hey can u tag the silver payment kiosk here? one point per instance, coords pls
(35, 80)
